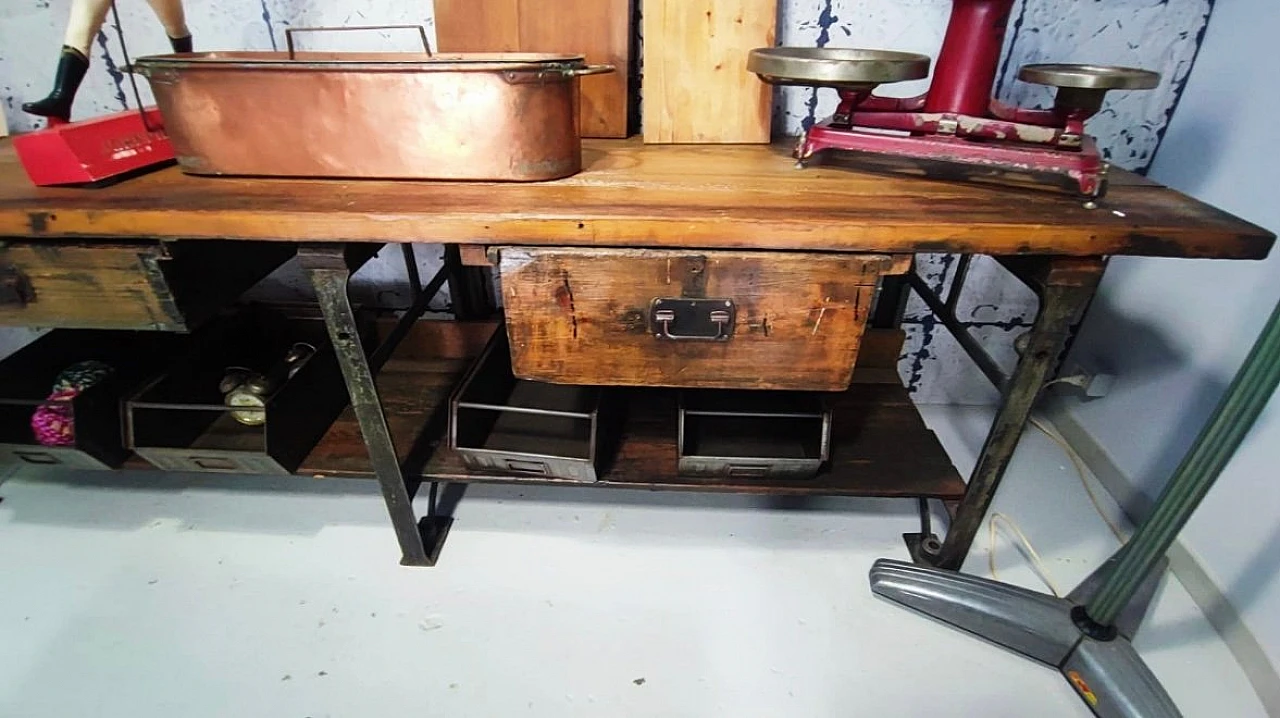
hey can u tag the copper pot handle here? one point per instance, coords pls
(590, 70)
(543, 73)
(422, 33)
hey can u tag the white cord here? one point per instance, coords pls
(1082, 473)
(1076, 380)
(1028, 550)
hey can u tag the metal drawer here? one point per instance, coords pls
(179, 421)
(27, 378)
(753, 434)
(499, 424)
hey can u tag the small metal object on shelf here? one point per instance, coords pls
(498, 423)
(184, 420)
(250, 391)
(745, 434)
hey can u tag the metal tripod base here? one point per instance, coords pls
(1101, 665)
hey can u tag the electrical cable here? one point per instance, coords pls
(1077, 380)
(1028, 550)
(1083, 473)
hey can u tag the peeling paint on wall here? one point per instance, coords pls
(1162, 35)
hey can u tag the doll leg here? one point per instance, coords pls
(85, 21)
(175, 23)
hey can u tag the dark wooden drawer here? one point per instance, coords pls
(144, 285)
(764, 320)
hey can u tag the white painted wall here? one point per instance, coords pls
(1176, 331)
(1158, 34)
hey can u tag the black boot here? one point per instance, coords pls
(71, 68)
(181, 44)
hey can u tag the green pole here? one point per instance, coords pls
(1221, 436)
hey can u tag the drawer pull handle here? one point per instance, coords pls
(708, 320)
(213, 463)
(527, 467)
(747, 471)
(37, 457)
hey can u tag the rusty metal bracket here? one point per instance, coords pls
(1065, 286)
(329, 270)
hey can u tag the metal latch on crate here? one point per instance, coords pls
(692, 319)
(15, 288)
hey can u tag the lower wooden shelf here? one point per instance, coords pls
(880, 444)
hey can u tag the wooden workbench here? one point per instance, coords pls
(682, 197)
(630, 194)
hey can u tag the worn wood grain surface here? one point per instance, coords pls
(597, 29)
(93, 287)
(582, 316)
(696, 87)
(630, 194)
(143, 285)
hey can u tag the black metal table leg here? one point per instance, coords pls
(1065, 287)
(329, 271)
(891, 301)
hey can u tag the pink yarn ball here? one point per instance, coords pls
(54, 423)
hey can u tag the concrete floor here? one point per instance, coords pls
(138, 595)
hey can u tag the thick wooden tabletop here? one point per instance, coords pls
(630, 194)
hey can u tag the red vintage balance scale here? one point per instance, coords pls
(102, 149)
(956, 120)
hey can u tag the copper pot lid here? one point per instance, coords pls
(402, 61)
(843, 68)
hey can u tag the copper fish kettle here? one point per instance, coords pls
(473, 116)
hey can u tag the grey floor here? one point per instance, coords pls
(141, 594)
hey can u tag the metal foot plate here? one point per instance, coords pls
(434, 530)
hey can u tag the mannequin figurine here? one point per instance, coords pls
(87, 17)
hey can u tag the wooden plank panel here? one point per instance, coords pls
(630, 194)
(477, 25)
(581, 316)
(696, 87)
(597, 29)
(91, 287)
(473, 255)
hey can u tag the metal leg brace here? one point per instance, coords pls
(1065, 287)
(329, 271)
